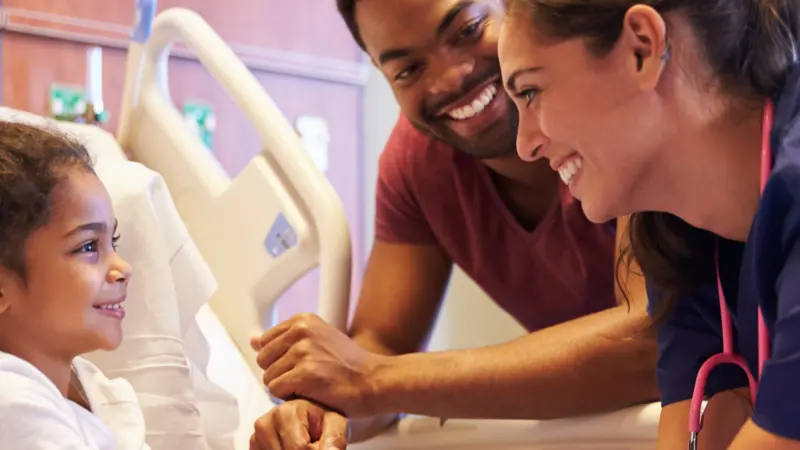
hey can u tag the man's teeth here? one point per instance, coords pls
(478, 104)
(114, 306)
(569, 169)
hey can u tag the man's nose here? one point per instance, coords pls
(450, 73)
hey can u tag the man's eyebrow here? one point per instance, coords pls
(511, 82)
(395, 53)
(452, 14)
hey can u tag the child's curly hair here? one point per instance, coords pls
(33, 162)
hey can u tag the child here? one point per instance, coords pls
(62, 286)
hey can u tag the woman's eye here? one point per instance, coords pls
(529, 95)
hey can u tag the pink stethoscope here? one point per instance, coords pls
(728, 356)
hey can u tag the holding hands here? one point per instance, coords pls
(300, 425)
(306, 358)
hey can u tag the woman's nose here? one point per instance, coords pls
(530, 142)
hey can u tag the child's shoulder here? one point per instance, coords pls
(30, 403)
(20, 381)
(100, 389)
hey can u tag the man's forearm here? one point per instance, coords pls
(592, 364)
(367, 428)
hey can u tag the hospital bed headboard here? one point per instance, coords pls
(263, 229)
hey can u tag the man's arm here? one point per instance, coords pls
(595, 363)
(582, 366)
(400, 298)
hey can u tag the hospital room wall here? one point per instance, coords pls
(468, 317)
(300, 51)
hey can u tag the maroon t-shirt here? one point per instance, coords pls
(430, 193)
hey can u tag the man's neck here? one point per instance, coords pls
(528, 189)
(514, 170)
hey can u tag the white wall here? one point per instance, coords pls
(468, 317)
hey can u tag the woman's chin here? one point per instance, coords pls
(596, 210)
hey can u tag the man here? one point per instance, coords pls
(452, 189)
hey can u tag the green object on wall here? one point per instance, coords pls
(68, 103)
(200, 118)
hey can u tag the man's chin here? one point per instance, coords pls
(483, 144)
(489, 144)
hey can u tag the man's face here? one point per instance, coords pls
(440, 57)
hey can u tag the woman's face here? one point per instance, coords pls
(70, 302)
(605, 110)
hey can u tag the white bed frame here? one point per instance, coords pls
(279, 192)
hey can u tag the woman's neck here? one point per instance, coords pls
(713, 176)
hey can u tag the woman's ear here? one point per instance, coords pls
(644, 37)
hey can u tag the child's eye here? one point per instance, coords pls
(89, 247)
(114, 241)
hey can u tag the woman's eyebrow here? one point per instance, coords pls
(511, 81)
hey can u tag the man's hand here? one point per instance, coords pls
(304, 357)
(299, 425)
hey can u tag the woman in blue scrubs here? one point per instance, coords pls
(662, 103)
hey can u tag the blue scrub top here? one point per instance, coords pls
(764, 271)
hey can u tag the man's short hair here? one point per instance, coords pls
(347, 8)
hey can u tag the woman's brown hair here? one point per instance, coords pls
(750, 45)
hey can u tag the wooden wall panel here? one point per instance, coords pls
(31, 64)
(305, 26)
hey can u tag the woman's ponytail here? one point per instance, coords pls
(771, 44)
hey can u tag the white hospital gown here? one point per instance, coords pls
(35, 416)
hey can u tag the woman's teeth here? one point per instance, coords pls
(568, 170)
(478, 104)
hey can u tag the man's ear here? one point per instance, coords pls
(644, 35)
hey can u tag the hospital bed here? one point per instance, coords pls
(196, 299)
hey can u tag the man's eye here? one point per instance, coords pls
(407, 72)
(470, 30)
(473, 31)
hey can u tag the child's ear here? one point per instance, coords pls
(5, 298)
(4, 303)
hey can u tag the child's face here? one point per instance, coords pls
(74, 277)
